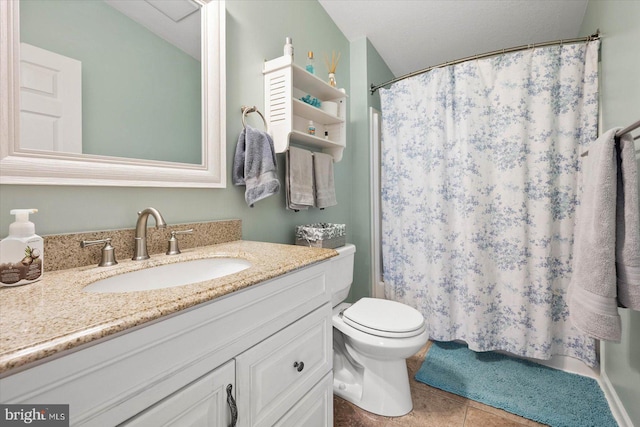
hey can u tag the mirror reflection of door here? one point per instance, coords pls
(140, 84)
(50, 101)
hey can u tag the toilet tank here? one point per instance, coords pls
(340, 274)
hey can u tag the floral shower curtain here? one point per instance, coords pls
(479, 190)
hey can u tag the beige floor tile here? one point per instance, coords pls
(346, 414)
(452, 396)
(478, 418)
(432, 409)
(504, 414)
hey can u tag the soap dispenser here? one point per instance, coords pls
(21, 252)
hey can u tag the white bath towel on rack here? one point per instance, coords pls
(607, 239)
(628, 227)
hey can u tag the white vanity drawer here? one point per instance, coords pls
(276, 373)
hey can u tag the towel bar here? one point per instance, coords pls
(246, 110)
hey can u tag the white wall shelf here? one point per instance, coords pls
(288, 117)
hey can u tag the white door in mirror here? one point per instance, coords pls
(50, 101)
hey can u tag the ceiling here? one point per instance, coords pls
(175, 21)
(414, 34)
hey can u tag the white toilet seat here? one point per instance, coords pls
(384, 318)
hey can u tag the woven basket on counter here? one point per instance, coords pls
(321, 235)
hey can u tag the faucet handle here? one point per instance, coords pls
(108, 252)
(173, 248)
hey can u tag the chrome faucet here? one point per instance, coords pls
(140, 250)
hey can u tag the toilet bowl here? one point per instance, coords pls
(371, 340)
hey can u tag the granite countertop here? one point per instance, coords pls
(54, 314)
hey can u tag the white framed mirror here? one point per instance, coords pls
(101, 157)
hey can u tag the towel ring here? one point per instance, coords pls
(246, 110)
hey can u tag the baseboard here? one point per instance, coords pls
(615, 404)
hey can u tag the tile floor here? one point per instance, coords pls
(431, 408)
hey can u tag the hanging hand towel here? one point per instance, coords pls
(254, 165)
(299, 180)
(323, 175)
(601, 240)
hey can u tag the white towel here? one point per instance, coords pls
(254, 165)
(628, 227)
(603, 235)
(323, 178)
(299, 179)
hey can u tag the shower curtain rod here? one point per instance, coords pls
(592, 37)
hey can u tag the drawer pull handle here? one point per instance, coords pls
(232, 406)
(299, 366)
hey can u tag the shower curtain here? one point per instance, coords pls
(479, 190)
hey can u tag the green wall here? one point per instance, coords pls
(366, 67)
(128, 76)
(619, 24)
(256, 31)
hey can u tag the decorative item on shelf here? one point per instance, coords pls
(332, 66)
(310, 63)
(288, 47)
(332, 79)
(330, 107)
(311, 100)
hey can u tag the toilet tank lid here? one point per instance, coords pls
(385, 315)
(346, 249)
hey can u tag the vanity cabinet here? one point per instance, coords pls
(202, 403)
(282, 368)
(271, 343)
(287, 116)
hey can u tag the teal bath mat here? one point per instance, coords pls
(533, 391)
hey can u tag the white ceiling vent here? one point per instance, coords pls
(176, 10)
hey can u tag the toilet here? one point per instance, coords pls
(372, 338)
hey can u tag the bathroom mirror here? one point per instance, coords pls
(181, 138)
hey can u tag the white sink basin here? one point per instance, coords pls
(170, 275)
